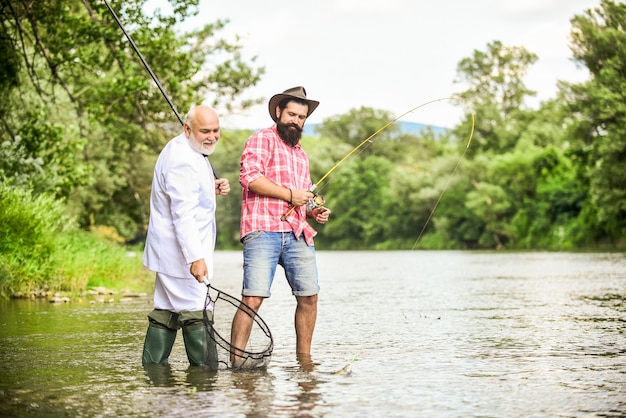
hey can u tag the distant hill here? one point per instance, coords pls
(416, 128)
(406, 127)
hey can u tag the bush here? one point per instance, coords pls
(42, 249)
(28, 228)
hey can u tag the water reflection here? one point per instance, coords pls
(197, 378)
(436, 334)
(308, 395)
(160, 375)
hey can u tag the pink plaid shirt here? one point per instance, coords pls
(265, 154)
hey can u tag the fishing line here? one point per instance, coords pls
(370, 140)
(456, 167)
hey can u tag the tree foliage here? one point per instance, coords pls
(82, 117)
(82, 121)
(548, 178)
(599, 133)
(497, 92)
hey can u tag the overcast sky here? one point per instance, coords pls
(390, 54)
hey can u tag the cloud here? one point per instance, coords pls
(390, 54)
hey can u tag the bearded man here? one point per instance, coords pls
(274, 225)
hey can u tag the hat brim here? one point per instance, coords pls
(276, 99)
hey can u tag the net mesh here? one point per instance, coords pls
(219, 311)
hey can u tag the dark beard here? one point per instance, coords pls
(290, 136)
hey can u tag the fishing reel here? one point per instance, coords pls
(316, 203)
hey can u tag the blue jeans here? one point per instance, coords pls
(263, 251)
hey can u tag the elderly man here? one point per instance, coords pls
(181, 239)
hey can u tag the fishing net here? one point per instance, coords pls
(219, 311)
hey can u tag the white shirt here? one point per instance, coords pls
(182, 211)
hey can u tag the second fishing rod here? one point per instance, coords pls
(318, 200)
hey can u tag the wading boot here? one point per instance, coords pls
(200, 347)
(158, 344)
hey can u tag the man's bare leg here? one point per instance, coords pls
(306, 315)
(242, 326)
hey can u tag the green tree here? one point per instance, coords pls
(598, 40)
(360, 198)
(497, 92)
(69, 60)
(358, 125)
(225, 162)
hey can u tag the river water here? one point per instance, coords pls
(399, 334)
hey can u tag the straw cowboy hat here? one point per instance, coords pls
(292, 93)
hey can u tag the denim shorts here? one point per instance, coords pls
(263, 251)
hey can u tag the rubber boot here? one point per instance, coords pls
(200, 347)
(158, 344)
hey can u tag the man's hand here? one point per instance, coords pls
(222, 187)
(320, 214)
(199, 270)
(300, 197)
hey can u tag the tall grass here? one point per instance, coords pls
(82, 260)
(42, 249)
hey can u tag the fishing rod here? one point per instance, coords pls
(147, 67)
(143, 61)
(319, 200)
(253, 359)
